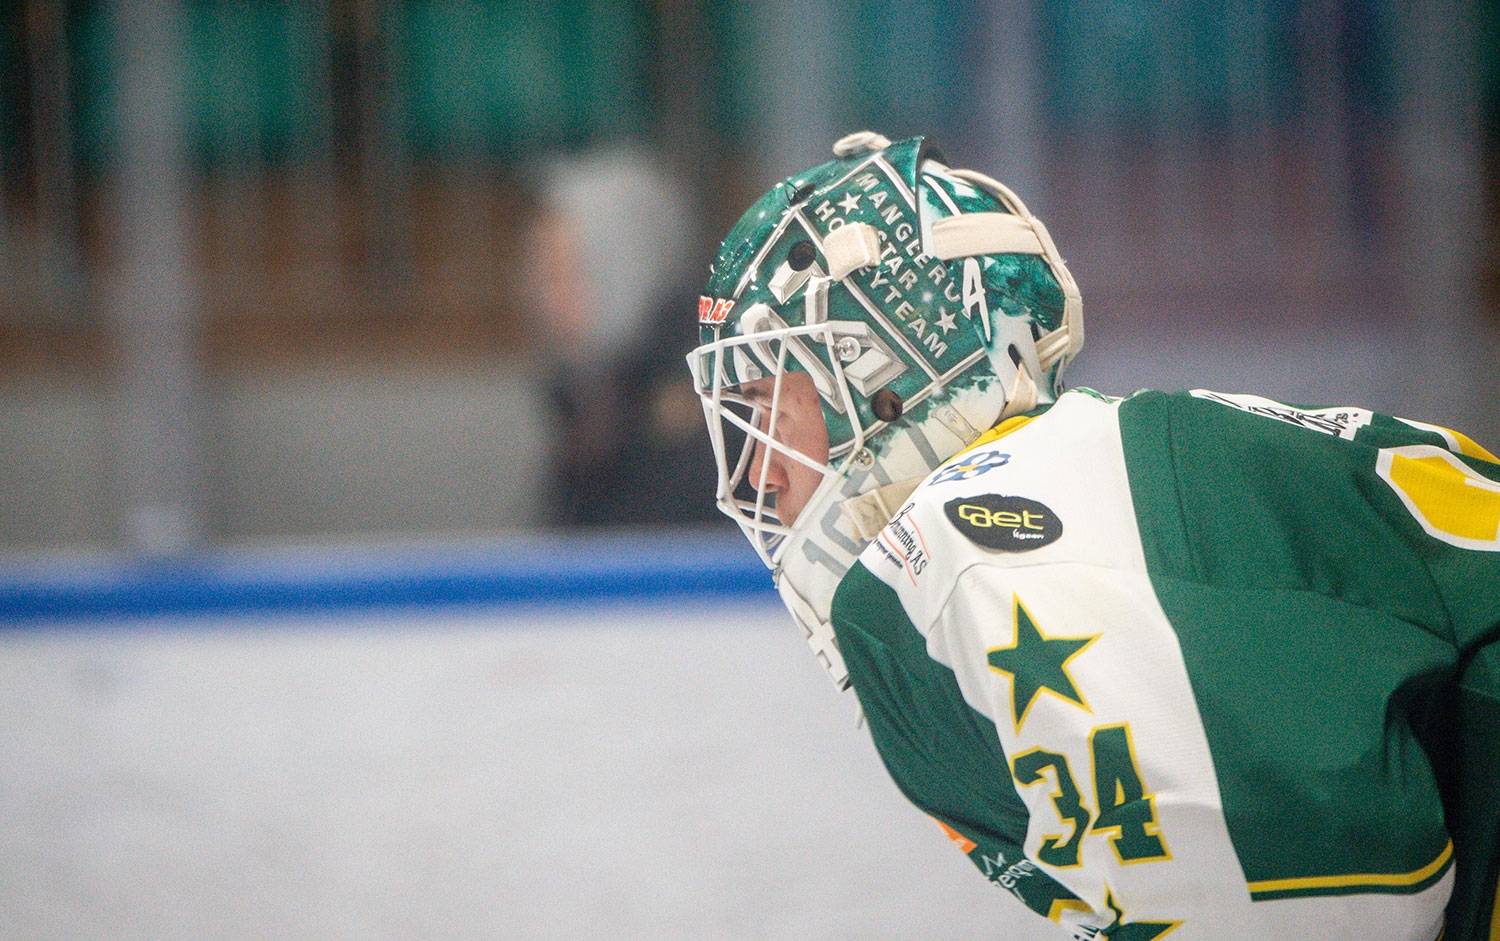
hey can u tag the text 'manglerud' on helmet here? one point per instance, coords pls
(924, 303)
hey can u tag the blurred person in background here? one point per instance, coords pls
(1189, 663)
(613, 257)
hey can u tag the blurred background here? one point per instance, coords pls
(293, 270)
(358, 574)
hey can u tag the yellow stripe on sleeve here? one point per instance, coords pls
(1358, 879)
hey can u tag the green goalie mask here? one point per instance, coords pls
(914, 305)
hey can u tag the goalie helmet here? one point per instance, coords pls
(916, 305)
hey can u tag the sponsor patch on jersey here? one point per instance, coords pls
(1009, 524)
(713, 310)
(1342, 422)
(901, 542)
(971, 466)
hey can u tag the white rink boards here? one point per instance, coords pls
(634, 772)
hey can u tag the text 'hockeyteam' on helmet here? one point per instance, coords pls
(913, 305)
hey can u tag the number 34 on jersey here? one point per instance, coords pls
(1121, 807)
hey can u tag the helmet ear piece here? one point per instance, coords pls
(886, 405)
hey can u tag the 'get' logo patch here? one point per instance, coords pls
(1009, 524)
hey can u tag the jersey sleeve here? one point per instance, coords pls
(1390, 517)
(1446, 491)
(1474, 798)
(944, 756)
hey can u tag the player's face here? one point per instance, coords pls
(788, 483)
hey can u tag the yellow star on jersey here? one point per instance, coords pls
(1036, 664)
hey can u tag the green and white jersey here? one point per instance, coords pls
(1199, 664)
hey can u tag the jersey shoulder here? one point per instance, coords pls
(1042, 489)
(1344, 422)
(1384, 513)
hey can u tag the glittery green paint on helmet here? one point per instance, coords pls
(925, 304)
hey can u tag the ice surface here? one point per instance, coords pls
(639, 772)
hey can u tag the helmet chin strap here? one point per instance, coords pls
(1022, 396)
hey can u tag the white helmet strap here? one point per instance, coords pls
(850, 247)
(1023, 394)
(984, 233)
(870, 511)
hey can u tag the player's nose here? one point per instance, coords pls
(770, 475)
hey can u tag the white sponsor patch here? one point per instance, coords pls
(902, 544)
(1342, 422)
